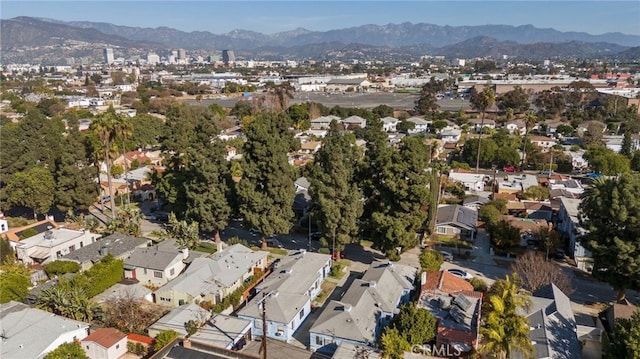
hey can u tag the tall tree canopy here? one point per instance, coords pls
(34, 189)
(334, 189)
(266, 191)
(610, 211)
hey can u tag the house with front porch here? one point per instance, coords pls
(454, 220)
(286, 294)
(210, 280)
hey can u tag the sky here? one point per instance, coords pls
(268, 17)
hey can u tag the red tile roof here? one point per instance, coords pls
(105, 337)
(140, 339)
(455, 336)
(446, 282)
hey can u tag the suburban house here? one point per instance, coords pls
(389, 124)
(310, 147)
(52, 244)
(105, 343)
(516, 126)
(210, 280)
(568, 184)
(552, 127)
(177, 317)
(470, 181)
(32, 333)
(354, 121)
(287, 294)
(365, 309)
(552, 325)
(156, 265)
(568, 224)
(223, 331)
(450, 135)
(454, 220)
(622, 310)
(577, 159)
(516, 183)
(14, 235)
(475, 201)
(477, 123)
(322, 123)
(119, 245)
(421, 125)
(542, 142)
(455, 305)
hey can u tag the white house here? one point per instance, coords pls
(389, 124)
(156, 265)
(213, 279)
(577, 159)
(421, 125)
(175, 319)
(32, 333)
(287, 294)
(450, 135)
(569, 225)
(323, 122)
(471, 181)
(354, 121)
(477, 123)
(516, 127)
(52, 244)
(105, 343)
(543, 143)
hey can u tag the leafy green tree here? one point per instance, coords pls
(34, 189)
(74, 177)
(610, 211)
(486, 154)
(164, 338)
(430, 260)
(405, 126)
(605, 161)
(299, 114)
(393, 344)
(66, 351)
(14, 282)
(127, 221)
(627, 143)
(185, 233)
(383, 111)
(7, 255)
(536, 193)
(504, 235)
(147, 131)
(69, 299)
(505, 331)
(266, 191)
(516, 99)
(481, 101)
(334, 190)
(416, 325)
(624, 341)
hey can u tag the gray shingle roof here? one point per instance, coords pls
(176, 318)
(157, 257)
(116, 244)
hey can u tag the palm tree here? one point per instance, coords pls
(482, 101)
(530, 120)
(104, 128)
(124, 129)
(281, 94)
(505, 331)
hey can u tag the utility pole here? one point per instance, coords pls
(263, 302)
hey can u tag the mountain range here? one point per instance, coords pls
(33, 38)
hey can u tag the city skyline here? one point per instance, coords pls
(218, 17)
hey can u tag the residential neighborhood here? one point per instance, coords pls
(176, 206)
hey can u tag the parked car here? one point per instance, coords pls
(448, 257)
(334, 255)
(509, 169)
(254, 231)
(273, 242)
(460, 273)
(316, 236)
(105, 199)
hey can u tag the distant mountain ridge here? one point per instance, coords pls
(393, 35)
(30, 38)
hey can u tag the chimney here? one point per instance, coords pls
(185, 252)
(423, 278)
(186, 343)
(219, 246)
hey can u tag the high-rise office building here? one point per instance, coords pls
(228, 57)
(182, 55)
(108, 55)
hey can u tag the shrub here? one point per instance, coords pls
(336, 270)
(61, 267)
(164, 338)
(103, 275)
(236, 240)
(479, 284)
(430, 260)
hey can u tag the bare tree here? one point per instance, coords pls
(534, 271)
(130, 314)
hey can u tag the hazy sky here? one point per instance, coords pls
(594, 17)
